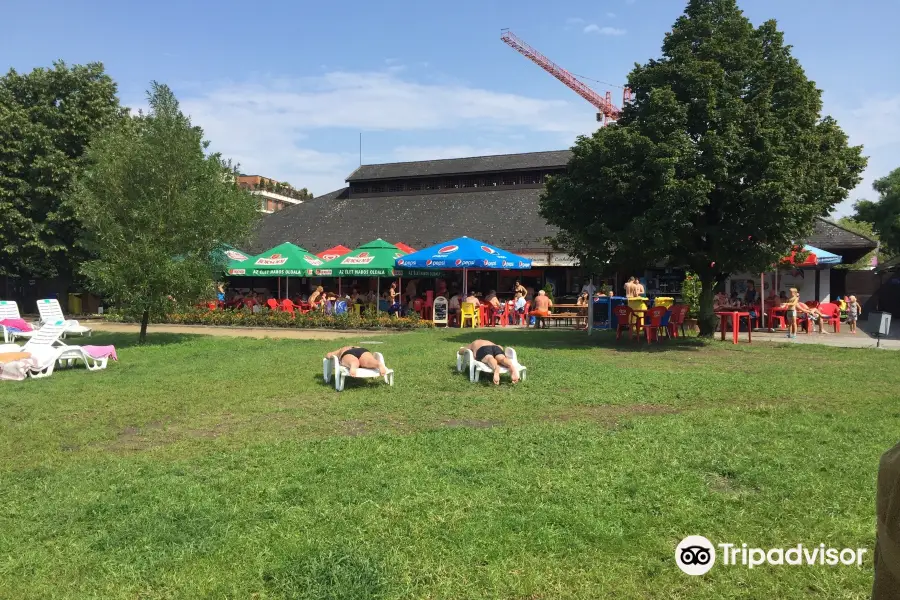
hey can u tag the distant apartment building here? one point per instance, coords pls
(273, 195)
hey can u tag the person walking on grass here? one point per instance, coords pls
(854, 310)
(355, 357)
(493, 356)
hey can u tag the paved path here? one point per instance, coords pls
(254, 332)
(839, 340)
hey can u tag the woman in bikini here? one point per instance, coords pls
(354, 357)
(493, 356)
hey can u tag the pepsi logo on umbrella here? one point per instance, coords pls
(448, 249)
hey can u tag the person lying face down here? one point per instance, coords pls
(355, 357)
(494, 357)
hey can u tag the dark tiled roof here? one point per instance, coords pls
(508, 219)
(458, 166)
(832, 237)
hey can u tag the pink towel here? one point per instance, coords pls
(19, 324)
(99, 352)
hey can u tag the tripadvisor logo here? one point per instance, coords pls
(696, 555)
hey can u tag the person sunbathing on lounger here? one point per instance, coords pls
(354, 357)
(494, 357)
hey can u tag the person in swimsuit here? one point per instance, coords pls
(791, 313)
(494, 357)
(354, 357)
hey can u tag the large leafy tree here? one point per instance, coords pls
(884, 214)
(720, 164)
(155, 207)
(48, 117)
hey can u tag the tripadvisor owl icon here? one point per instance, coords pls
(695, 555)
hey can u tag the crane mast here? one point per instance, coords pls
(607, 111)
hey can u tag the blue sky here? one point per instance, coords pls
(285, 87)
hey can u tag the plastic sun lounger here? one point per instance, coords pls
(476, 368)
(10, 310)
(47, 355)
(51, 312)
(332, 367)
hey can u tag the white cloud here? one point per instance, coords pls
(875, 124)
(306, 130)
(594, 28)
(574, 21)
(611, 15)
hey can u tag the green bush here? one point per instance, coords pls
(690, 293)
(268, 318)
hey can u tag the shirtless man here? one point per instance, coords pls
(354, 357)
(493, 356)
(638, 288)
(629, 288)
(542, 306)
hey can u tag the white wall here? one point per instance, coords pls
(802, 279)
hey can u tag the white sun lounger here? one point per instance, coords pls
(332, 367)
(10, 310)
(51, 312)
(476, 368)
(47, 351)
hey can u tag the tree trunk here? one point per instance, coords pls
(707, 318)
(145, 320)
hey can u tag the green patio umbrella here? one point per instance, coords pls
(229, 257)
(374, 259)
(281, 261)
(284, 260)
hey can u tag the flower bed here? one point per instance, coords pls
(267, 318)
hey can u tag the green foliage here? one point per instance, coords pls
(721, 162)
(884, 214)
(268, 318)
(47, 119)
(548, 289)
(690, 293)
(864, 229)
(155, 207)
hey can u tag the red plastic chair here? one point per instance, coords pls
(287, 305)
(429, 305)
(831, 313)
(419, 307)
(623, 315)
(272, 303)
(523, 318)
(212, 305)
(653, 318)
(679, 313)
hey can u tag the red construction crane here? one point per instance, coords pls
(608, 110)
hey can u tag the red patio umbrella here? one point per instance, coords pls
(404, 248)
(333, 253)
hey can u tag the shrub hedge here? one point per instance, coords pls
(267, 318)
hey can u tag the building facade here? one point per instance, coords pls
(273, 195)
(491, 198)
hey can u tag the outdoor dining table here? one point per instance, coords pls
(578, 316)
(735, 317)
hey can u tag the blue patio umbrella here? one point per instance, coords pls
(463, 253)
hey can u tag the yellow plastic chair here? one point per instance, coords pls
(356, 308)
(468, 311)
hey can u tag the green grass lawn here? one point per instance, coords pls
(225, 468)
